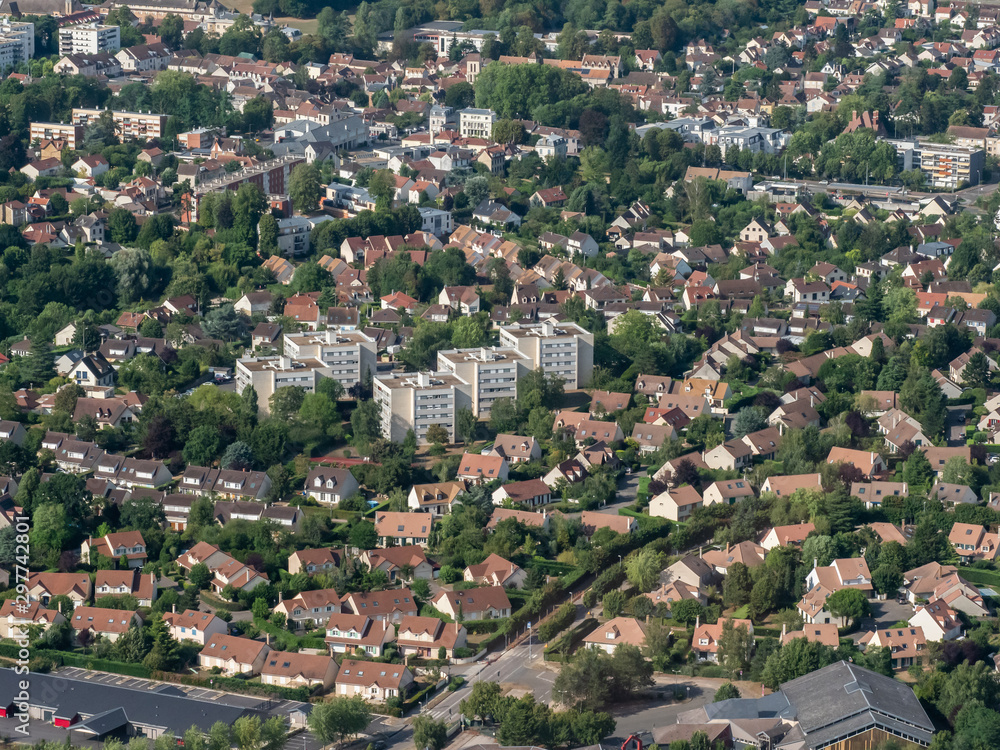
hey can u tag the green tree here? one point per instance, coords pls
(337, 719)
(849, 604)
(428, 733)
(917, 470)
(363, 535)
(727, 691)
(643, 569)
(202, 446)
(267, 235)
(737, 585)
(305, 187)
(735, 647)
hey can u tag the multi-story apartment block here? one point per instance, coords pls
(476, 123)
(943, 165)
(347, 356)
(57, 131)
(139, 125)
(89, 39)
(491, 373)
(417, 400)
(268, 374)
(565, 350)
(17, 42)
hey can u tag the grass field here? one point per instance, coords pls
(305, 25)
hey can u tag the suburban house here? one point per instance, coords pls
(373, 681)
(330, 486)
(436, 499)
(313, 606)
(618, 630)
(484, 603)
(705, 640)
(108, 623)
(346, 633)
(408, 562)
(403, 528)
(192, 625)
(938, 621)
(310, 561)
(127, 544)
(233, 655)
(426, 636)
(495, 571)
(287, 669)
(390, 605)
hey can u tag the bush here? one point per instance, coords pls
(456, 682)
(484, 626)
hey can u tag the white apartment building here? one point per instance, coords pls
(346, 356)
(57, 131)
(564, 349)
(416, 400)
(944, 165)
(293, 235)
(476, 123)
(491, 373)
(17, 42)
(268, 374)
(89, 39)
(140, 125)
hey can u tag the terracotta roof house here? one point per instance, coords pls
(403, 528)
(287, 669)
(783, 486)
(748, 553)
(390, 605)
(485, 603)
(16, 617)
(426, 636)
(528, 518)
(314, 605)
(410, 560)
(826, 634)
(783, 536)
(131, 581)
(973, 542)
(516, 449)
(676, 504)
(310, 561)
(436, 499)
(115, 545)
(627, 630)
(373, 681)
(593, 521)
(675, 591)
(908, 645)
(530, 493)
(109, 623)
(192, 625)
(705, 640)
(43, 586)
(233, 655)
(479, 469)
(495, 571)
(938, 621)
(346, 633)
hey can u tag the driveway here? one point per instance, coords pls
(955, 425)
(885, 614)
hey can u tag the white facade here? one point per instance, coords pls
(476, 123)
(565, 349)
(415, 401)
(89, 39)
(17, 42)
(347, 356)
(491, 373)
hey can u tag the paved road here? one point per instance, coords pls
(520, 667)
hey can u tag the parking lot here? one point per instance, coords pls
(277, 707)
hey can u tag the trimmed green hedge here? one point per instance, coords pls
(484, 626)
(572, 578)
(236, 685)
(560, 649)
(980, 576)
(67, 659)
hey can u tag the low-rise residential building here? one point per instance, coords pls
(330, 486)
(104, 623)
(393, 528)
(391, 605)
(495, 571)
(348, 634)
(425, 637)
(309, 607)
(373, 681)
(233, 655)
(436, 499)
(192, 625)
(287, 669)
(618, 630)
(485, 603)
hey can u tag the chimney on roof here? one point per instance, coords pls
(815, 562)
(784, 630)
(173, 608)
(697, 622)
(281, 596)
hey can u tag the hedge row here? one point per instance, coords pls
(561, 620)
(484, 626)
(236, 685)
(67, 659)
(570, 579)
